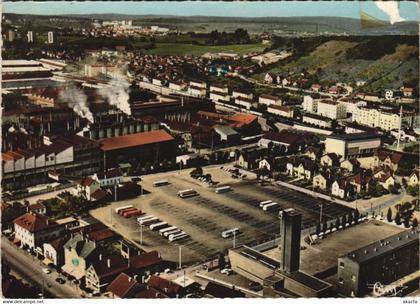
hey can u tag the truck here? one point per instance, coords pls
(168, 233)
(143, 218)
(118, 210)
(230, 232)
(223, 189)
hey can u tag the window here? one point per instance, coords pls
(341, 264)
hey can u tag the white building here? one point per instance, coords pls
(353, 145)
(269, 100)
(217, 96)
(197, 91)
(236, 94)
(384, 119)
(283, 111)
(218, 89)
(352, 105)
(245, 102)
(30, 36)
(50, 37)
(198, 84)
(331, 109)
(33, 229)
(110, 177)
(309, 104)
(317, 120)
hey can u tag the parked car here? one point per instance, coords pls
(226, 271)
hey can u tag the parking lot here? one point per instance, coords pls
(206, 216)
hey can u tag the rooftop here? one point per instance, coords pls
(35, 222)
(135, 140)
(389, 244)
(122, 285)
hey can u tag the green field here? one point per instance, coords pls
(191, 49)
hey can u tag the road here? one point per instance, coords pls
(30, 268)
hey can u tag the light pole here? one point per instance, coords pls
(234, 239)
(320, 214)
(179, 256)
(141, 234)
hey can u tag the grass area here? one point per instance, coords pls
(191, 49)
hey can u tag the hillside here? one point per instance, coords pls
(335, 61)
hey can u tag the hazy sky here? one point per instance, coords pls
(408, 10)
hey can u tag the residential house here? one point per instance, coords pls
(123, 287)
(243, 94)
(38, 208)
(351, 165)
(283, 111)
(321, 181)
(33, 229)
(177, 86)
(414, 179)
(301, 167)
(269, 100)
(362, 182)
(330, 160)
(316, 87)
(79, 253)
(150, 293)
(386, 180)
(197, 91)
(313, 152)
(270, 78)
(342, 188)
(248, 158)
(54, 251)
(387, 158)
(407, 92)
(169, 288)
(89, 188)
(103, 271)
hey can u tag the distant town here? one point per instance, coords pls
(144, 160)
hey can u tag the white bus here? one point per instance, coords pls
(168, 233)
(162, 231)
(230, 232)
(158, 226)
(187, 193)
(142, 218)
(265, 203)
(160, 183)
(272, 206)
(223, 189)
(151, 220)
(178, 236)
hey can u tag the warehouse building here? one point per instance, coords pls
(384, 261)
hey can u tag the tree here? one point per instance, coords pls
(324, 226)
(398, 219)
(389, 215)
(415, 223)
(392, 189)
(406, 222)
(222, 261)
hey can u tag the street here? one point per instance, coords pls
(30, 268)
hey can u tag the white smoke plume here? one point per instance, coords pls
(116, 94)
(76, 99)
(391, 8)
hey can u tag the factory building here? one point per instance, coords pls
(283, 276)
(384, 261)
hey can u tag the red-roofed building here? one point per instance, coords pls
(150, 145)
(150, 293)
(169, 288)
(146, 261)
(32, 229)
(123, 287)
(86, 187)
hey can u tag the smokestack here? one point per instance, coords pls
(100, 257)
(109, 263)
